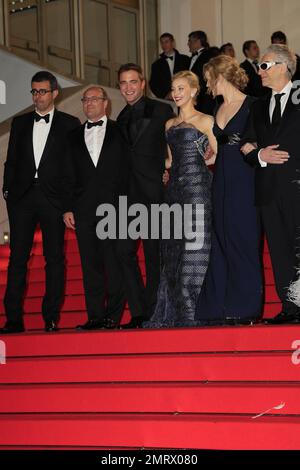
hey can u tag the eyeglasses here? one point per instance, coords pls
(93, 99)
(267, 65)
(40, 92)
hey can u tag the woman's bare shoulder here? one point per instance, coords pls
(171, 122)
(204, 122)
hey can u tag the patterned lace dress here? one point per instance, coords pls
(184, 260)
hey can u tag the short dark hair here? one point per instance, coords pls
(280, 36)
(200, 35)
(247, 45)
(45, 76)
(223, 47)
(167, 35)
(131, 66)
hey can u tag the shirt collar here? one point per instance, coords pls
(51, 113)
(286, 90)
(139, 105)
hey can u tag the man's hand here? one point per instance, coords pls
(209, 153)
(166, 177)
(209, 156)
(272, 156)
(69, 220)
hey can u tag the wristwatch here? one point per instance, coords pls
(5, 194)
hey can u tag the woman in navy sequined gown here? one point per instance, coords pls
(184, 262)
(232, 290)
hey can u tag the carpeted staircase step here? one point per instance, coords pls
(161, 430)
(161, 397)
(158, 367)
(227, 339)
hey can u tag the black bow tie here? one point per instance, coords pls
(93, 124)
(38, 117)
(194, 53)
(168, 57)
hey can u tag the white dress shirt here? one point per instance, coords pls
(195, 57)
(94, 138)
(40, 134)
(284, 99)
(171, 62)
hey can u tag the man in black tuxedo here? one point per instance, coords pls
(32, 188)
(163, 69)
(142, 123)
(278, 37)
(95, 173)
(250, 65)
(274, 125)
(201, 54)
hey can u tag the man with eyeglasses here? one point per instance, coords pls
(274, 126)
(32, 188)
(96, 173)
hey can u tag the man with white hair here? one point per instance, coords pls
(274, 125)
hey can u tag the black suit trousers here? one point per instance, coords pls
(102, 277)
(141, 299)
(281, 221)
(24, 216)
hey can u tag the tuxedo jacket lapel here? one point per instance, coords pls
(145, 121)
(50, 138)
(287, 113)
(82, 148)
(28, 133)
(106, 145)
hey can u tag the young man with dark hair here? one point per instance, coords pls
(142, 123)
(201, 54)
(163, 69)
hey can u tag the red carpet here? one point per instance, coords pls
(183, 388)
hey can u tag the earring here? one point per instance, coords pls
(192, 96)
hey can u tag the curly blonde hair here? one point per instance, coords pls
(192, 79)
(229, 68)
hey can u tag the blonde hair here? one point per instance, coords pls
(229, 68)
(192, 79)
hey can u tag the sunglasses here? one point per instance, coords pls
(267, 65)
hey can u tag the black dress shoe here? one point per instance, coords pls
(11, 327)
(51, 326)
(92, 325)
(135, 322)
(111, 324)
(282, 318)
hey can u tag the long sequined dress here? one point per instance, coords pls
(185, 261)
